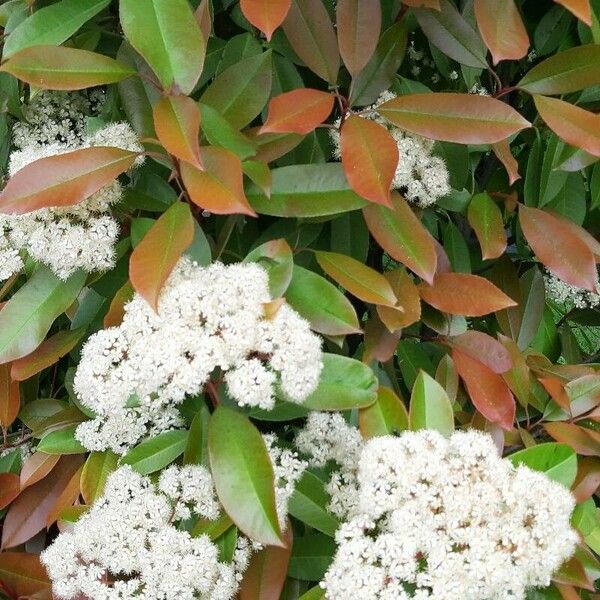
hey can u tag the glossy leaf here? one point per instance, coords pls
(580, 8)
(583, 441)
(266, 15)
(61, 441)
(502, 151)
(156, 452)
(486, 219)
(24, 574)
(10, 488)
(10, 397)
(430, 407)
(36, 467)
(97, 468)
(277, 259)
(557, 461)
(386, 416)
(484, 348)
(220, 132)
(259, 173)
(409, 301)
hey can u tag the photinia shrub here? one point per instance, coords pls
(300, 299)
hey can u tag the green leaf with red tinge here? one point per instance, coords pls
(486, 220)
(10, 397)
(36, 467)
(154, 258)
(97, 468)
(266, 15)
(60, 68)
(430, 406)
(63, 180)
(24, 574)
(583, 441)
(298, 111)
(259, 173)
(409, 301)
(451, 117)
(386, 416)
(10, 488)
(369, 157)
(504, 155)
(484, 348)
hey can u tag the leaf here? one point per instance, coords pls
(48, 353)
(503, 154)
(116, 310)
(487, 390)
(583, 441)
(572, 124)
(580, 8)
(266, 15)
(430, 407)
(220, 132)
(60, 68)
(358, 25)
(196, 451)
(583, 394)
(241, 91)
(451, 117)
(309, 30)
(10, 488)
(359, 279)
(314, 190)
(486, 220)
(63, 180)
(451, 33)
(167, 35)
(409, 301)
(28, 514)
(277, 259)
(28, 315)
(220, 187)
(345, 383)
(554, 244)
(243, 475)
(97, 468)
(484, 348)
(400, 233)
(177, 124)
(61, 441)
(386, 416)
(24, 574)
(259, 173)
(557, 461)
(321, 303)
(66, 498)
(10, 397)
(369, 157)
(298, 111)
(155, 257)
(157, 452)
(502, 29)
(311, 556)
(464, 294)
(36, 467)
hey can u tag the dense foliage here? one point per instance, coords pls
(282, 281)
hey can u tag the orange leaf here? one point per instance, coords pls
(10, 488)
(583, 441)
(10, 397)
(64, 179)
(557, 391)
(588, 478)
(587, 238)
(298, 111)
(36, 467)
(24, 574)
(486, 220)
(487, 390)
(580, 8)
(379, 342)
(266, 15)
(177, 125)
(116, 310)
(358, 25)
(562, 252)
(464, 294)
(450, 117)
(220, 188)
(408, 298)
(46, 354)
(66, 498)
(572, 124)
(483, 348)
(502, 151)
(369, 157)
(400, 233)
(154, 258)
(502, 29)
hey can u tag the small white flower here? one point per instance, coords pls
(572, 296)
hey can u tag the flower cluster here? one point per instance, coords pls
(448, 519)
(420, 176)
(569, 295)
(135, 375)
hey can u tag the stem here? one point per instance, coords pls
(212, 392)
(505, 90)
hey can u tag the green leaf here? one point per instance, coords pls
(277, 259)
(386, 416)
(430, 407)
(61, 442)
(556, 461)
(345, 384)
(155, 453)
(486, 220)
(168, 36)
(97, 468)
(52, 25)
(311, 556)
(196, 451)
(220, 132)
(28, 315)
(243, 475)
(315, 593)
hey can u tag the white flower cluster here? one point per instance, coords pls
(572, 296)
(64, 238)
(126, 547)
(135, 375)
(420, 176)
(448, 519)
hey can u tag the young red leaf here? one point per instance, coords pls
(10, 397)
(572, 124)
(36, 467)
(116, 310)
(64, 179)
(369, 157)
(408, 299)
(266, 15)
(400, 233)
(298, 111)
(504, 155)
(464, 294)
(583, 441)
(487, 390)
(562, 252)
(579, 232)
(588, 479)
(580, 8)
(486, 220)
(60, 68)
(177, 125)
(484, 348)
(66, 498)
(358, 27)
(154, 258)
(502, 29)
(24, 575)
(379, 343)
(10, 488)
(450, 117)
(220, 187)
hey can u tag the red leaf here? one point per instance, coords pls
(177, 125)
(36, 467)
(154, 258)
(464, 294)
(502, 151)
(63, 180)
(580, 8)
(587, 238)
(557, 391)
(583, 441)
(23, 574)
(408, 299)
(266, 15)
(298, 111)
(380, 342)
(487, 390)
(588, 478)
(483, 348)
(66, 498)
(563, 253)
(10, 397)
(220, 188)
(358, 27)
(369, 157)
(10, 488)
(116, 310)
